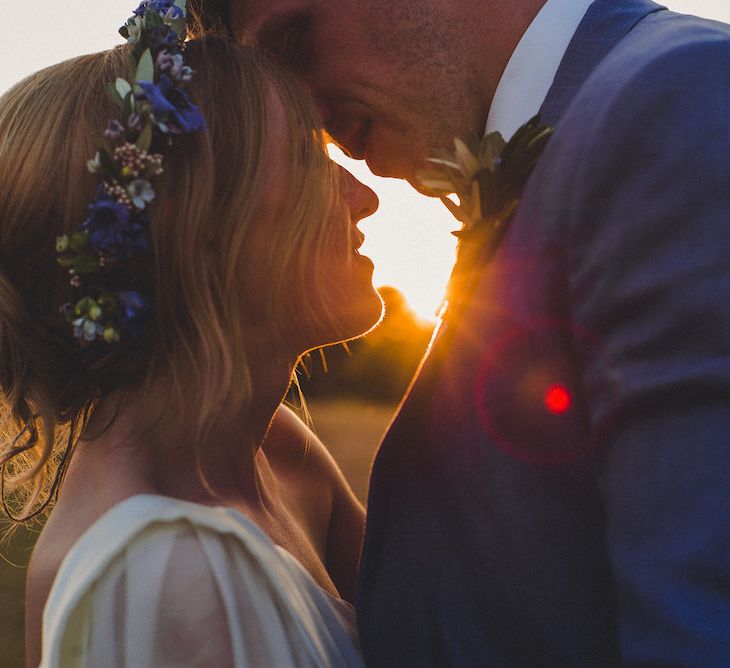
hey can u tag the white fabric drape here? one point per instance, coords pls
(160, 582)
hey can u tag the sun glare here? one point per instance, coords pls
(409, 239)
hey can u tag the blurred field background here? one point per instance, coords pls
(351, 393)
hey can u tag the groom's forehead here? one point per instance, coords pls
(249, 17)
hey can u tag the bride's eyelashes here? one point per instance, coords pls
(288, 38)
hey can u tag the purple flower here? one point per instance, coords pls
(115, 130)
(172, 110)
(164, 60)
(135, 122)
(175, 65)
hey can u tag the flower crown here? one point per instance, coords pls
(102, 253)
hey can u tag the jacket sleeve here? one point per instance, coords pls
(650, 275)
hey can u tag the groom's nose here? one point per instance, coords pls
(361, 200)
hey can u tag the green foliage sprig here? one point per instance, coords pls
(488, 179)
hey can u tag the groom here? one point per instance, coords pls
(556, 487)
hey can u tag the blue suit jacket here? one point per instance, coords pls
(503, 533)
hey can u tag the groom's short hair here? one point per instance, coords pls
(211, 16)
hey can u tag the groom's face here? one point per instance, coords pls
(394, 80)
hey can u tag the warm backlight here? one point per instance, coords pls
(409, 239)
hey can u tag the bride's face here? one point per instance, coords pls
(329, 295)
(344, 272)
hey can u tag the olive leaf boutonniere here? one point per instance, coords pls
(488, 180)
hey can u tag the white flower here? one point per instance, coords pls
(87, 329)
(94, 166)
(179, 69)
(134, 29)
(141, 193)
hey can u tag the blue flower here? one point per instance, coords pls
(107, 223)
(112, 228)
(165, 8)
(172, 110)
(136, 238)
(159, 36)
(133, 310)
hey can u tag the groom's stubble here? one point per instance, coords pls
(438, 74)
(417, 73)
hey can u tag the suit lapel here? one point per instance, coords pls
(606, 22)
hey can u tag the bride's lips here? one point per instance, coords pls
(358, 240)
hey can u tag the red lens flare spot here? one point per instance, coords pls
(558, 399)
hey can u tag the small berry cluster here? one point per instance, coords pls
(118, 192)
(134, 161)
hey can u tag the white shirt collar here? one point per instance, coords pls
(533, 65)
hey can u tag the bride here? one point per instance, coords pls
(198, 522)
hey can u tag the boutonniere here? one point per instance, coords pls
(488, 179)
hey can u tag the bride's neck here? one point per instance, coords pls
(228, 466)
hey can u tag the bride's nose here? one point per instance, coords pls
(361, 200)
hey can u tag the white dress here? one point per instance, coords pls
(159, 582)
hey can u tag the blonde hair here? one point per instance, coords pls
(208, 198)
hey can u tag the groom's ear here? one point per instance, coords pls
(210, 16)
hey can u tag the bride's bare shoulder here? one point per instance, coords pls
(295, 449)
(290, 440)
(68, 521)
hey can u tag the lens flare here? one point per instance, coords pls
(558, 399)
